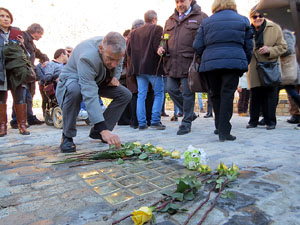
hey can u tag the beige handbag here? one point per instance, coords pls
(288, 66)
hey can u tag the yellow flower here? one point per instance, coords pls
(159, 149)
(148, 144)
(166, 36)
(137, 143)
(222, 169)
(204, 169)
(175, 155)
(235, 168)
(166, 153)
(141, 216)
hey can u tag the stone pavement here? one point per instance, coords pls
(32, 191)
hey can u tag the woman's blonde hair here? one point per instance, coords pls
(253, 11)
(219, 5)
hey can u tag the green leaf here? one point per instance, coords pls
(230, 194)
(218, 186)
(165, 209)
(224, 196)
(174, 206)
(198, 184)
(120, 161)
(189, 196)
(183, 210)
(220, 181)
(167, 193)
(143, 156)
(182, 186)
(209, 181)
(178, 196)
(137, 151)
(112, 147)
(153, 219)
(172, 211)
(128, 152)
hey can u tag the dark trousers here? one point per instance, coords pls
(243, 102)
(223, 84)
(18, 95)
(184, 100)
(148, 104)
(72, 100)
(209, 103)
(264, 98)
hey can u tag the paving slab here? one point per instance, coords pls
(33, 191)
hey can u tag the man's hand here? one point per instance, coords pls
(160, 51)
(264, 50)
(110, 138)
(114, 82)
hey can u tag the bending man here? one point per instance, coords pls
(93, 71)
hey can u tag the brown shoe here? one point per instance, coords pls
(3, 120)
(21, 113)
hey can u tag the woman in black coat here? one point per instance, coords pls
(224, 42)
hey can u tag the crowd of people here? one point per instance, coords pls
(138, 68)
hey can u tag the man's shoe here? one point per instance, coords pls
(208, 115)
(227, 138)
(272, 127)
(251, 126)
(174, 118)
(194, 117)
(164, 114)
(261, 122)
(67, 145)
(183, 130)
(216, 131)
(134, 126)
(158, 126)
(293, 120)
(179, 115)
(143, 127)
(94, 134)
(34, 121)
(14, 124)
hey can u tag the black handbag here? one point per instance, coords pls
(269, 73)
(197, 81)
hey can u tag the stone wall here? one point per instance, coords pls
(282, 108)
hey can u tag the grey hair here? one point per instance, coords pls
(116, 41)
(35, 28)
(149, 16)
(137, 23)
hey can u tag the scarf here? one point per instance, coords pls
(259, 35)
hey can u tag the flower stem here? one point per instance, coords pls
(200, 206)
(214, 203)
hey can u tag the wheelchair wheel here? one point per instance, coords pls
(57, 117)
(48, 119)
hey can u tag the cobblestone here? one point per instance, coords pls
(32, 191)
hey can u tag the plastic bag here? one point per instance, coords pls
(194, 157)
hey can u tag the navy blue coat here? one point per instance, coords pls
(224, 41)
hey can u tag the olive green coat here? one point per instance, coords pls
(273, 38)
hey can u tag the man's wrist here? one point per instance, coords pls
(100, 126)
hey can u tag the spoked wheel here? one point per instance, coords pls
(48, 118)
(57, 117)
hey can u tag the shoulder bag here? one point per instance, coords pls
(197, 81)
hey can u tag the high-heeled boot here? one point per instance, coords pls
(21, 114)
(3, 120)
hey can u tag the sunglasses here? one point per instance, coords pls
(255, 17)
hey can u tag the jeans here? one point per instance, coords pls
(158, 88)
(199, 95)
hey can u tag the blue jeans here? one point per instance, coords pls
(199, 95)
(157, 82)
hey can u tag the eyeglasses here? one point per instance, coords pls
(69, 51)
(255, 17)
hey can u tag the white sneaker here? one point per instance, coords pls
(82, 115)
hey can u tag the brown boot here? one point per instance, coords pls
(21, 113)
(3, 120)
